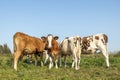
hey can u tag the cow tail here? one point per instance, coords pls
(15, 48)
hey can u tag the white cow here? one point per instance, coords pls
(71, 46)
(96, 42)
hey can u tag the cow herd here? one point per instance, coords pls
(70, 46)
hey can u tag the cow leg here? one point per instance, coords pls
(35, 59)
(46, 57)
(60, 60)
(41, 58)
(79, 58)
(78, 65)
(76, 60)
(16, 57)
(51, 62)
(56, 61)
(73, 62)
(106, 58)
(29, 58)
(65, 60)
(105, 53)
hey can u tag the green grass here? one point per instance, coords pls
(92, 67)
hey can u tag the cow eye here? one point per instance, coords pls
(47, 43)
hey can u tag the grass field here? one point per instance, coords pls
(92, 67)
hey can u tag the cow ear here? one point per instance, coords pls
(56, 37)
(43, 38)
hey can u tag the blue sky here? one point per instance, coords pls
(60, 17)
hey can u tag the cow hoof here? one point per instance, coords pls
(56, 67)
(76, 69)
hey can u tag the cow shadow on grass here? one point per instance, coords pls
(32, 62)
(29, 62)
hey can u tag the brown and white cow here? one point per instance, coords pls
(91, 44)
(71, 46)
(52, 49)
(27, 45)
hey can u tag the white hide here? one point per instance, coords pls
(99, 45)
(71, 46)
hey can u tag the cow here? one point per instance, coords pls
(91, 44)
(71, 46)
(52, 50)
(27, 45)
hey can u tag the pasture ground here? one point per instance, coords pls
(92, 67)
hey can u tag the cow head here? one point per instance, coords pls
(50, 40)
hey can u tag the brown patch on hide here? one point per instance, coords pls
(91, 38)
(85, 43)
(97, 37)
(84, 40)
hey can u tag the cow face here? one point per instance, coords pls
(50, 40)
